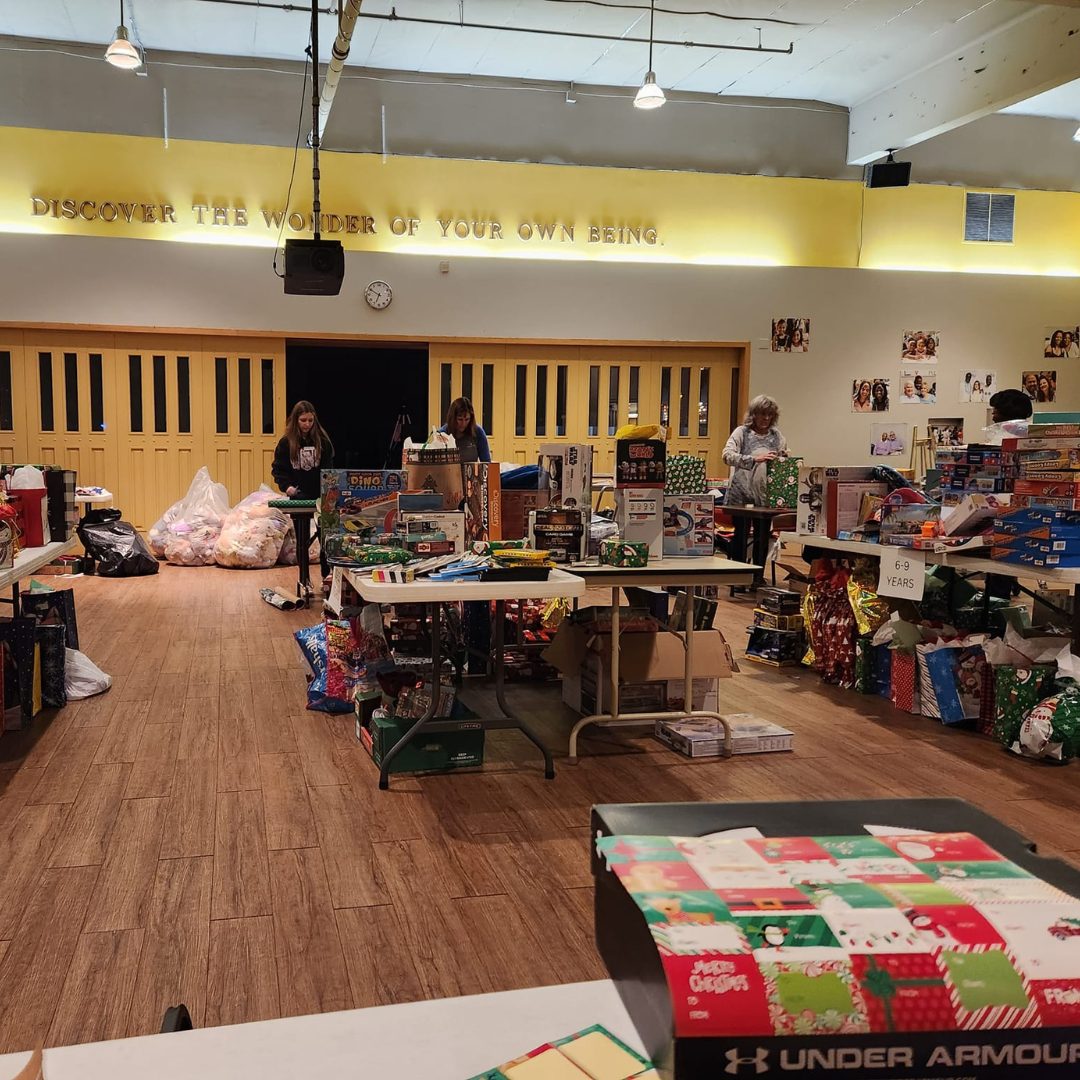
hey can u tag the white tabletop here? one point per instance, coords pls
(678, 570)
(426, 1040)
(97, 499)
(425, 591)
(969, 563)
(30, 560)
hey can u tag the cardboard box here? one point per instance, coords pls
(1060, 489)
(844, 501)
(899, 524)
(359, 500)
(516, 507)
(639, 513)
(706, 695)
(700, 737)
(689, 525)
(813, 509)
(435, 752)
(1044, 502)
(566, 471)
(450, 523)
(563, 534)
(640, 463)
(483, 501)
(1020, 519)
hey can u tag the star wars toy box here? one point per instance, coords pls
(566, 474)
(936, 947)
(360, 501)
(812, 513)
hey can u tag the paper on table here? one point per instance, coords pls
(748, 832)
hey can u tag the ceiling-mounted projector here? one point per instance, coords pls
(314, 267)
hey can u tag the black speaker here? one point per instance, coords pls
(888, 174)
(314, 267)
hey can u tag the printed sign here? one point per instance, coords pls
(903, 573)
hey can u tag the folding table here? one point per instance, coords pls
(433, 594)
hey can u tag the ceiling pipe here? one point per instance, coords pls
(350, 11)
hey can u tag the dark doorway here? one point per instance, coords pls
(358, 392)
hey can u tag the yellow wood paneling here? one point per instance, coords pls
(146, 462)
(517, 436)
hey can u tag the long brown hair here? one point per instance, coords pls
(461, 405)
(292, 431)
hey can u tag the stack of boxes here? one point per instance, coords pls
(778, 636)
(1042, 530)
(640, 472)
(974, 469)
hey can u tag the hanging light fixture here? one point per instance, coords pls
(650, 96)
(121, 53)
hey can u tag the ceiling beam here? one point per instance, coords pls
(1033, 53)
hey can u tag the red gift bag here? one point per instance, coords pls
(905, 685)
(985, 723)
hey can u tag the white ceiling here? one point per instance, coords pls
(1063, 102)
(845, 50)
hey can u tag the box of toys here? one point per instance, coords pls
(689, 526)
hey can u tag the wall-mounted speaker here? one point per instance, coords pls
(314, 267)
(888, 174)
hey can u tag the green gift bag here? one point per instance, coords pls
(1017, 690)
(782, 483)
(685, 475)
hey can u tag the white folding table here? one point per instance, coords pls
(447, 1039)
(28, 562)
(433, 594)
(682, 573)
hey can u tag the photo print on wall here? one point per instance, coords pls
(918, 386)
(978, 387)
(1061, 343)
(790, 335)
(1040, 386)
(946, 432)
(921, 346)
(889, 440)
(869, 395)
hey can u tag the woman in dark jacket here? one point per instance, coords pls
(302, 451)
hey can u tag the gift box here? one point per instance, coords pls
(686, 475)
(782, 482)
(1017, 690)
(624, 553)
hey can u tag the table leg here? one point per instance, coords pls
(614, 663)
(762, 537)
(302, 527)
(741, 537)
(433, 704)
(500, 690)
(15, 603)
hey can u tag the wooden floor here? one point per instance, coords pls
(195, 835)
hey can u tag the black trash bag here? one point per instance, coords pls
(118, 549)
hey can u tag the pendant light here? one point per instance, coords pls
(121, 53)
(650, 96)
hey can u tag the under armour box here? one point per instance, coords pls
(819, 950)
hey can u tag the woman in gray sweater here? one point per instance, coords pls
(751, 446)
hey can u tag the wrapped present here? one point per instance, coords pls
(905, 681)
(1051, 731)
(342, 547)
(1017, 690)
(782, 482)
(685, 475)
(624, 553)
(950, 679)
(882, 670)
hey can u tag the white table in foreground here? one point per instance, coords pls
(682, 573)
(434, 594)
(99, 498)
(448, 1039)
(29, 561)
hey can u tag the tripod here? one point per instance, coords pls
(401, 428)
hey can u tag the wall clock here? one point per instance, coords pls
(378, 295)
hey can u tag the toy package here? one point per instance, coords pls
(689, 526)
(359, 500)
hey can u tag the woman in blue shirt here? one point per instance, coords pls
(461, 422)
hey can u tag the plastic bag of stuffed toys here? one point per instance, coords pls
(188, 531)
(287, 555)
(252, 533)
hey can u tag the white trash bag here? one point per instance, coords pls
(252, 533)
(82, 677)
(187, 532)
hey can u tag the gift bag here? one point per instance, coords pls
(987, 704)
(864, 665)
(882, 670)
(905, 683)
(52, 665)
(1017, 690)
(685, 475)
(782, 482)
(20, 672)
(950, 679)
(52, 607)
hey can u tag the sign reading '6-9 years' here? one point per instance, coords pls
(903, 573)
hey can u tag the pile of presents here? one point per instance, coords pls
(958, 656)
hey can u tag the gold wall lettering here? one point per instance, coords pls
(448, 227)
